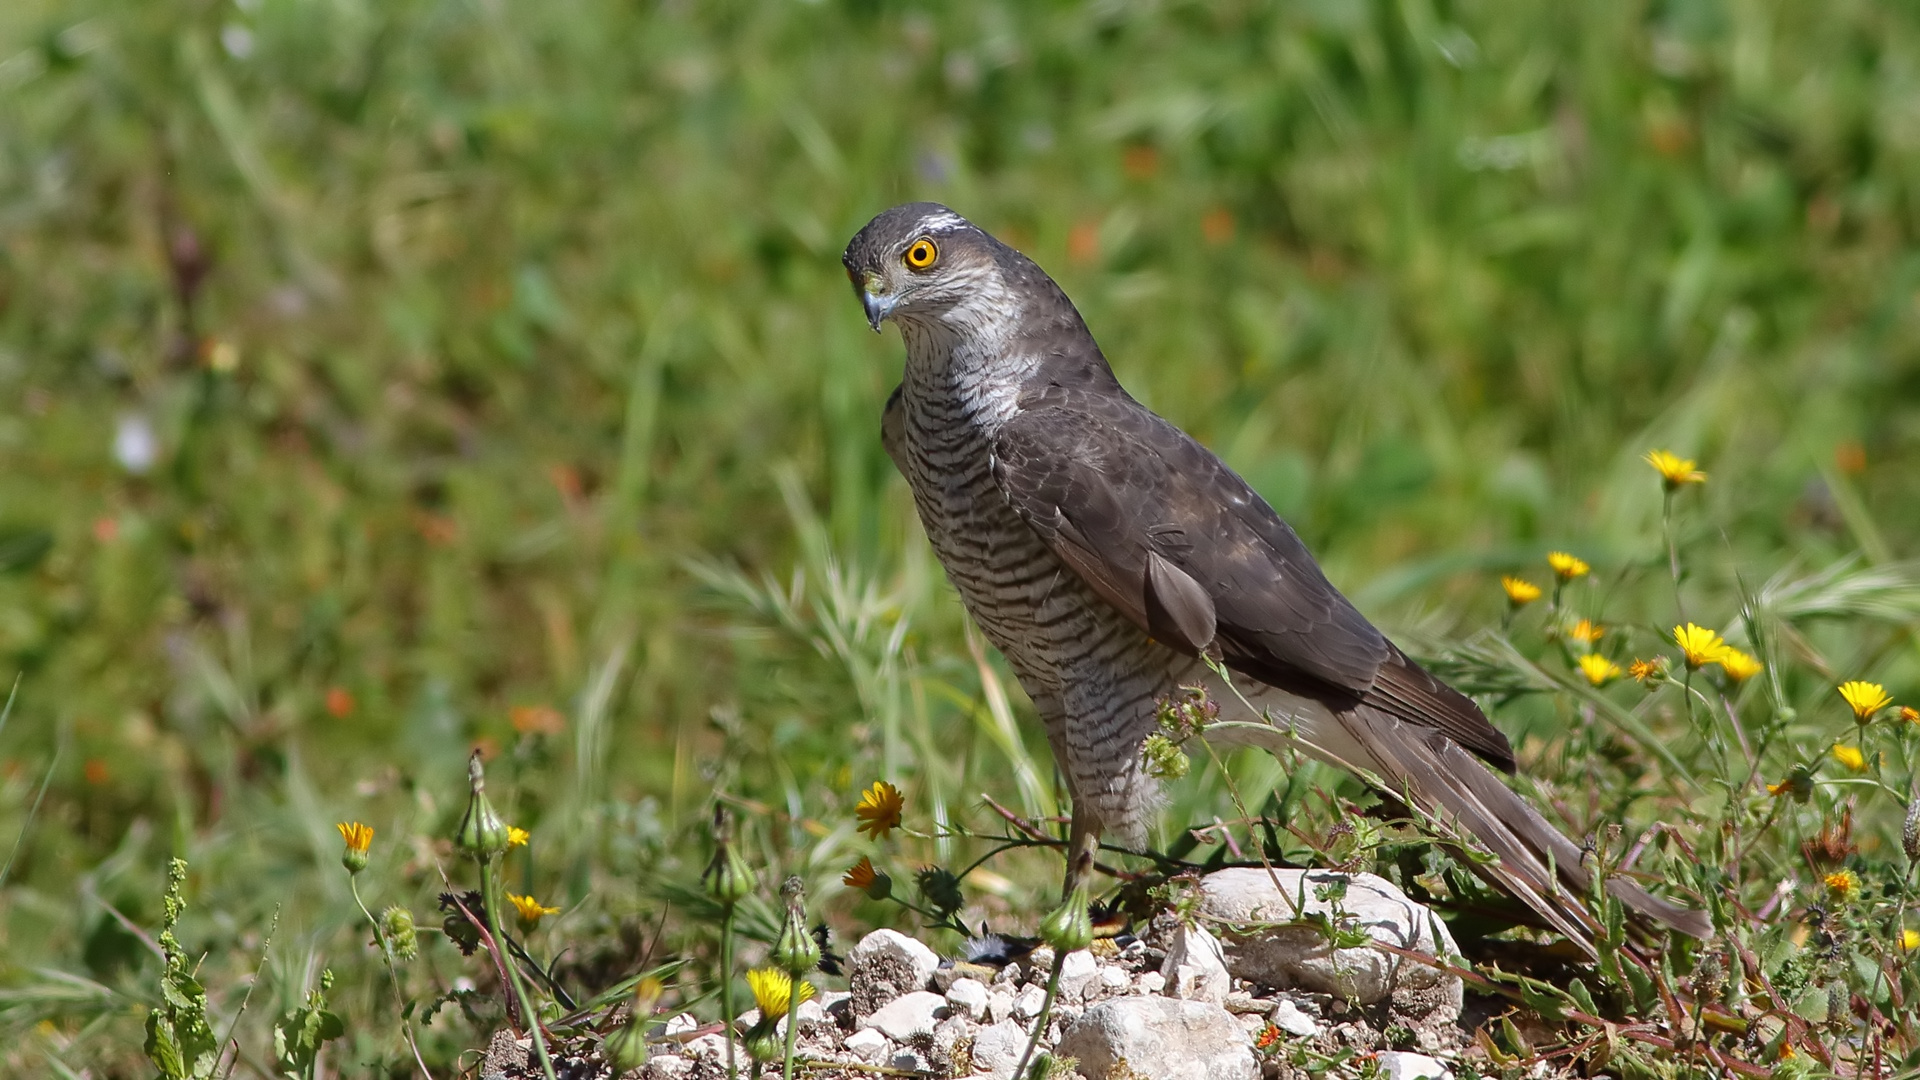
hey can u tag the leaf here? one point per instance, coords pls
(21, 549)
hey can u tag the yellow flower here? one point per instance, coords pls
(1520, 592)
(1910, 714)
(530, 911)
(774, 993)
(859, 875)
(1566, 566)
(1598, 669)
(879, 809)
(1851, 757)
(1797, 785)
(1865, 698)
(517, 836)
(1674, 470)
(1738, 665)
(1645, 671)
(1910, 940)
(1843, 885)
(1699, 646)
(1587, 632)
(358, 839)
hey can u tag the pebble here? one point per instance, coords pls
(969, 996)
(1029, 1002)
(866, 1044)
(1405, 1065)
(1288, 1018)
(906, 1016)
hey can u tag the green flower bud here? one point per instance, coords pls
(728, 878)
(482, 834)
(1069, 928)
(795, 950)
(626, 1048)
(762, 1043)
(396, 925)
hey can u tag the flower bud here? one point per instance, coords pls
(728, 878)
(482, 834)
(626, 1048)
(1910, 831)
(795, 950)
(396, 925)
(1069, 928)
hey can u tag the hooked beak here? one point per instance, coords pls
(879, 304)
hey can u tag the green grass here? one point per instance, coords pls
(522, 373)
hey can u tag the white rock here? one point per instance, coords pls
(1027, 1005)
(866, 1044)
(893, 957)
(1288, 1018)
(668, 1067)
(1162, 1038)
(999, 1004)
(715, 1047)
(1196, 968)
(969, 996)
(1076, 972)
(1403, 1065)
(1289, 954)
(1112, 980)
(681, 1024)
(904, 1017)
(1149, 982)
(908, 1061)
(997, 1049)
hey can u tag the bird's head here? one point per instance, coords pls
(918, 262)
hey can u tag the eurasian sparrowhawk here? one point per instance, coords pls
(1108, 555)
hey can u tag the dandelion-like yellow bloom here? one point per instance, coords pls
(774, 992)
(1910, 714)
(1843, 886)
(859, 875)
(530, 911)
(1674, 470)
(517, 836)
(1587, 632)
(879, 809)
(1520, 592)
(1865, 698)
(1910, 940)
(1598, 669)
(358, 837)
(1739, 666)
(1699, 646)
(1645, 671)
(1567, 567)
(1851, 757)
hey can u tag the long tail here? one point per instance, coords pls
(1450, 784)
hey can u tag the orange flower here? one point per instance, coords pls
(1587, 632)
(1646, 671)
(859, 875)
(536, 719)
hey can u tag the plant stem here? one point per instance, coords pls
(793, 1025)
(726, 989)
(393, 974)
(490, 891)
(1046, 1015)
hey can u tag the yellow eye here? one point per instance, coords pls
(922, 254)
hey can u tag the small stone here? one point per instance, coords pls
(1288, 1018)
(911, 1061)
(1149, 982)
(1040, 961)
(904, 1017)
(949, 973)
(713, 1046)
(997, 1049)
(969, 996)
(1010, 975)
(1404, 1065)
(1112, 980)
(1196, 967)
(886, 964)
(1076, 972)
(1277, 950)
(680, 1025)
(1240, 1002)
(866, 1044)
(1162, 1038)
(999, 1004)
(667, 1067)
(1031, 999)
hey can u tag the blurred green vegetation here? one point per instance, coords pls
(369, 370)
